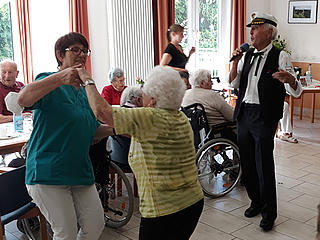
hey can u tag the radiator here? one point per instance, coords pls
(130, 27)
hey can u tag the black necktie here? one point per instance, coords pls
(259, 60)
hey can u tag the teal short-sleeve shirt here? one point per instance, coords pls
(63, 128)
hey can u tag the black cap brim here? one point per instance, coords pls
(260, 21)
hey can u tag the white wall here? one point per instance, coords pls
(256, 6)
(98, 33)
(302, 39)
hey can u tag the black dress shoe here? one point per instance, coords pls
(266, 224)
(252, 212)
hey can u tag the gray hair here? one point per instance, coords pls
(165, 86)
(8, 61)
(199, 76)
(273, 28)
(115, 72)
(131, 94)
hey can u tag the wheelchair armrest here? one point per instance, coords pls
(224, 125)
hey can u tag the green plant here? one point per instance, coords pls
(281, 44)
(139, 81)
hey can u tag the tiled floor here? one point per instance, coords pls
(298, 184)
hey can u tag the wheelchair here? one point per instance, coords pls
(217, 153)
(117, 202)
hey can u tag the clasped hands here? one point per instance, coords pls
(75, 75)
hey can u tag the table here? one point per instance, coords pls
(306, 90)
(6, 169)
(14, 144)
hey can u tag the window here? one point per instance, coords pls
(207, 24)
(9, 35)
(6, 44)
(49, 21)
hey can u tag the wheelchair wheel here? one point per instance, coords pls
(34, 224)
(116, 197)
(219, 169)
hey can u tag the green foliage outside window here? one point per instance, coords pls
(181, 17)
(181, 12)
(208, 21)
(6, 49)
(208, 24)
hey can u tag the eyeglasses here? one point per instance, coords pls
(78, 50)
(119, 80)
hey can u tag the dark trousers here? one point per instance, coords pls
(256, 144)
(176, 226)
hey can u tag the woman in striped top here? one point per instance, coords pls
(161, 155)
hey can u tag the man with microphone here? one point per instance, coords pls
(263, 75)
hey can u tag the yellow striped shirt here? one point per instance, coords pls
(162, 157)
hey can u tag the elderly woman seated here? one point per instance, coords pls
(217, 109)
(112, 93)
(162, 154)
(131, 97)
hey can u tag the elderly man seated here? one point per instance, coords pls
(217, 109)
(112, 93)
(8, 83)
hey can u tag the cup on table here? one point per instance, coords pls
(3, 132)
(27, 122)
(303, 81)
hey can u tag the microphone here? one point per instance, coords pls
(244, 47)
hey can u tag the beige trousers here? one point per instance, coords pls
(67, 207)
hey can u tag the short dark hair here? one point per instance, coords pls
(184, 74)
(66, 41)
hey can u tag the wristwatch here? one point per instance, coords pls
(88, 82)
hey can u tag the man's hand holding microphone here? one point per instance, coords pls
(236, 56)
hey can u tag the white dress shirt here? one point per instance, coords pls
(251, 95)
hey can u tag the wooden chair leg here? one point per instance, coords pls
(43, 227)
(119, 186)
(301, 107)
(112, 179)
(135, 187)
(313, 105)
(1, 231)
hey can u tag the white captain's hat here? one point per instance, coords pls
(258, 18)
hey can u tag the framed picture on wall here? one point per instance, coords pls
(301, 11)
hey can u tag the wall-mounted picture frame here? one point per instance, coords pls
(301, 11)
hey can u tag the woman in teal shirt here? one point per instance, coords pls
(59, 174)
